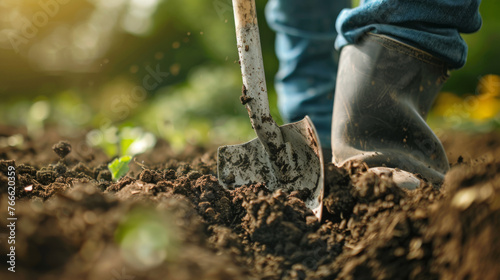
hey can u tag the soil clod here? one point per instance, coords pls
(62, 149)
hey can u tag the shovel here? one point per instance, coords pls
(284, 157)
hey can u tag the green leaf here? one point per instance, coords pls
(119, 167)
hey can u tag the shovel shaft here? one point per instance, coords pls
(254, 93)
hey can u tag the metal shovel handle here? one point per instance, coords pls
(254, 93)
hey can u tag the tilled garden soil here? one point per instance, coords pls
(170, 219)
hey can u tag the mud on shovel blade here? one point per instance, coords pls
(284, 157)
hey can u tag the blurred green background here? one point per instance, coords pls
(170, 67)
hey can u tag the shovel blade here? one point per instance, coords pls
(250, 163)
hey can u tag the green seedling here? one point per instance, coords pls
(131, 142)
(119, 167)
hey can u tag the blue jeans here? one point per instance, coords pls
(307, 44)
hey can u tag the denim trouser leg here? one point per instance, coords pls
(305, 36)
(429, 25)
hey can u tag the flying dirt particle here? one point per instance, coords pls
(176, 45)
(62, 149)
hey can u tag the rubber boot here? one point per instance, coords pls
(384, 91)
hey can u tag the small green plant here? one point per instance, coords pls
(119, 167)
(125, 142)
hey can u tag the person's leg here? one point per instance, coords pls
(305, 36)
(395, 57)
(433, 26)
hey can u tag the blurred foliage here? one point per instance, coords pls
(125, 141)
(478, 112)
(170, 66)
(147, 237)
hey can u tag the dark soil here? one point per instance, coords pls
(170, 219)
